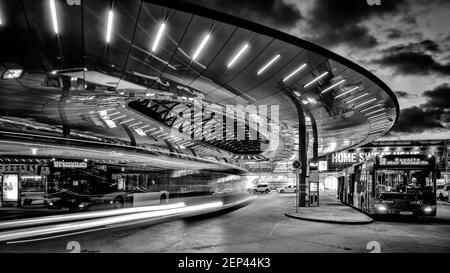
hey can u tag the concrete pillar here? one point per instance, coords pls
(302, 152)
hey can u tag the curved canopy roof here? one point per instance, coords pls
(131, 71)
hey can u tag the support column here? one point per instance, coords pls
(302, 152)
(315, 139)
(130, 135)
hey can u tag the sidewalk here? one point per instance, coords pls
(330, 211)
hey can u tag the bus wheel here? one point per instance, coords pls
(163, 199)
(117, 203)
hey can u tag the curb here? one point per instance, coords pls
(330, 221)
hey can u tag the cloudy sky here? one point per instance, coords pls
(406, 43)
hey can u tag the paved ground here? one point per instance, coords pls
(260, 227)
(330, 210)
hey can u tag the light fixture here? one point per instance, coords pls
(262, 69)
(54, 18)
(200, 47)
(366, 102)
(346, 92)
(377, 120)
(371, 107)
(109, 26)
(316, 79)
(377, 131)
(294, 72)
(373, 112)
(242, 50)
(379, 115)
(332, 86)
(158, 36)
(312, 100)
(357, 98)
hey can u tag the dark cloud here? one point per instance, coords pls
(438, 97)
(419, 47)
(401, 94)
(274, 13)
(337, 22)
(431, 115)
(414, 63)
(414, 58)
(394, 33)
(418, 120)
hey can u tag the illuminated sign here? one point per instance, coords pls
(70, 164)
(359, 157)
(10, 187)
(403, 162)
(313, 166)
(323, 166)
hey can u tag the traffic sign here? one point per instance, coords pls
(296, 164)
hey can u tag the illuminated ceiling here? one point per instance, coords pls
(81, 67)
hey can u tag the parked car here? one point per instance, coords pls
(262, 188)
(290, 188)
(442, 191)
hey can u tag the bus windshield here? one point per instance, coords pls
(404, 181)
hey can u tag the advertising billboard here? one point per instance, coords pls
(10, 189)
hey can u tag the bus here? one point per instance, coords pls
(391, 184)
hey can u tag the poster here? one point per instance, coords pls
(10, 187)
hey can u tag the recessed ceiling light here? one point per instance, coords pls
(262, 69)
(346, 92)
(201, 46)
(332, 86)
(158, 36)
(109, 26)
(366, 102)
(294, 72)
(234, 59)
(316, 79)
(54, 17)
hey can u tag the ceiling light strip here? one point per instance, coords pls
(126, 121)
(294, 72)
(268, 64)
(316, 79)
(201, 46)
(379, 115)
(373, 112)
(358, 97)
(366, 102)
(54, 17)
(240, 52)
(346, 92)
(371, 107)
(109, 26)
(332, 86)
(158, 36)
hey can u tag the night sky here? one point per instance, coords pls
(405, 43)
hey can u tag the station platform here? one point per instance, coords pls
(330, 210)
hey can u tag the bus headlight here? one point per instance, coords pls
(428, 209)
(381, 208)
